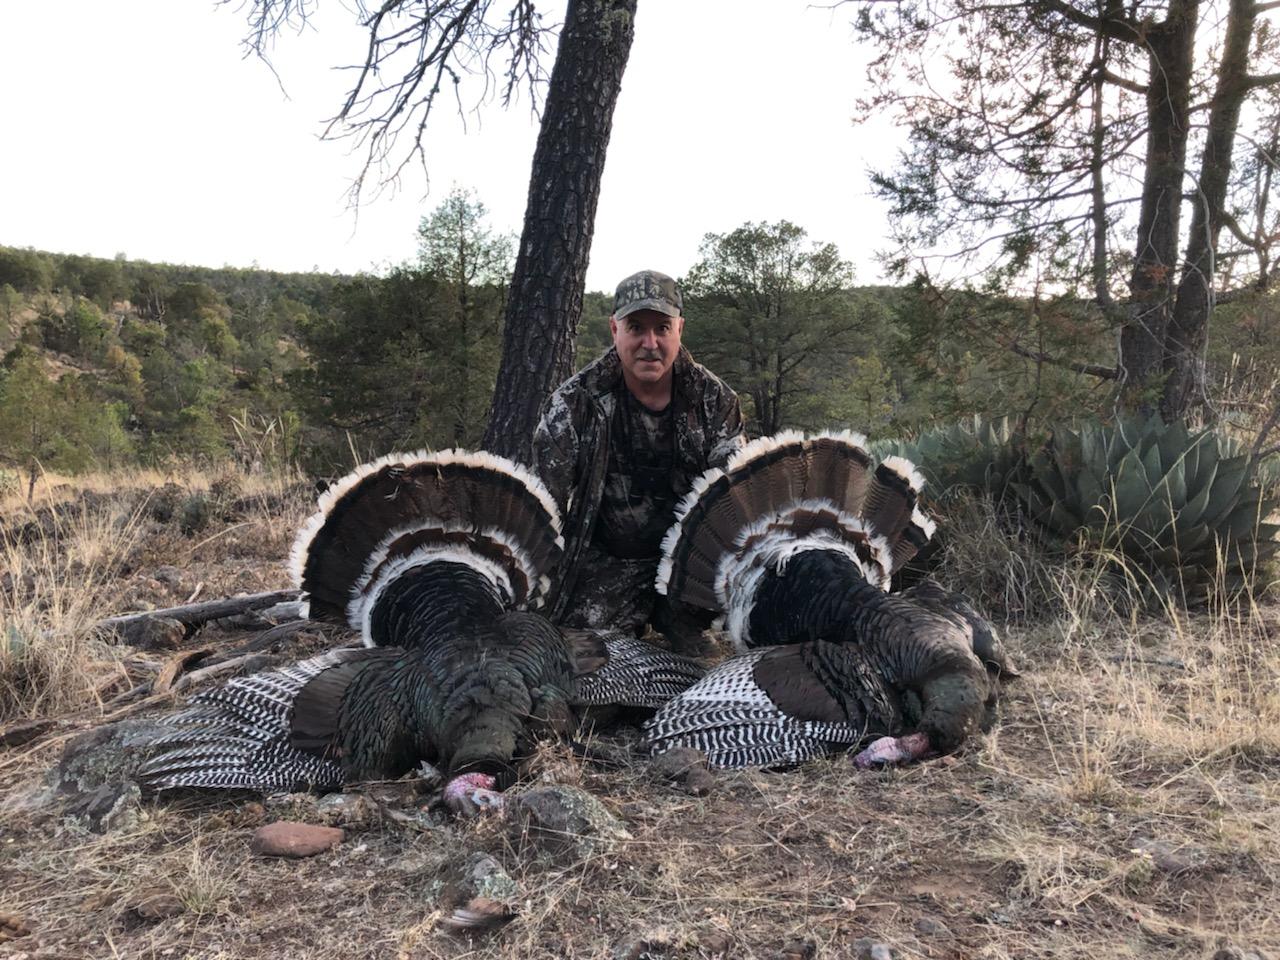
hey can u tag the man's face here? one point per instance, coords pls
(647, 343)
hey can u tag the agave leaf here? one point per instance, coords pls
(1173, 442)
(1227, 484)
(1152, 467)
(1173, 486)
(1131, 489)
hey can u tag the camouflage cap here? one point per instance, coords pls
(648, 290)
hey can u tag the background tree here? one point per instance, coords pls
(471, 265)
(418, 50)
(54, 424)
(773, 316)
(1049, 148)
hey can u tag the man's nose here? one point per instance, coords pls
(649, 339)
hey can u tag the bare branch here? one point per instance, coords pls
(415, 51)
(1090, 369)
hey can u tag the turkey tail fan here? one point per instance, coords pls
(780, 495)
(616, 669)
(408, 509)
(290, 729)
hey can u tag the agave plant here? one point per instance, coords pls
(1182, 504)
(975, 454)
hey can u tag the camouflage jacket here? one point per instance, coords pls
(571, 443)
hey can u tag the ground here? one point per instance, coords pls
(1127, 805)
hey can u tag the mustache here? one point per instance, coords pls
(648, 354)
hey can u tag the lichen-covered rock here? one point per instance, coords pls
(565, 821)
(107, 754)
(481, 875)
(112, 806)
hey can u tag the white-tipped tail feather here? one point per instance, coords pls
(782, 495)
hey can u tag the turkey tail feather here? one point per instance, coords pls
(783, 495)
(406, 510)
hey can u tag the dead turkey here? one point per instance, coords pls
(439, 560)
(795, 541)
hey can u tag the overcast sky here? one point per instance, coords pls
(139, 127)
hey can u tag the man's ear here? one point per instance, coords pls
(613, 328)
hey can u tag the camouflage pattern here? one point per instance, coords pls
(641, 486)
(571, 449)
(648, 290)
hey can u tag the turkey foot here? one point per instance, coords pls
(893, 750)
(471, 794)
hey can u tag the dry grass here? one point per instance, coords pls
(1127, 806)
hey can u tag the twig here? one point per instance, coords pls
(1153, 661)
(226, 666)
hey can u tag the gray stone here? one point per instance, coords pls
(112, 806)
(108, 754)
(564, 820)
(480, 875)
(933, 928)
(865, 948)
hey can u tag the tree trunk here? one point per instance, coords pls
(551, 266)
(1184, 386)
(1170, 59)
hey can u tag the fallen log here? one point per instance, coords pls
(275, 606)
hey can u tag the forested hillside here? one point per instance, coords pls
(111, 362)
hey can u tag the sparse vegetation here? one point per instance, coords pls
(1126, 805)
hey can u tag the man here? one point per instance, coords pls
(619, 445)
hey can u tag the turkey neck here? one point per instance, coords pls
(817, 596)
(430, 602)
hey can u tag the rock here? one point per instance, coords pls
(1236, 953)
(479, 875)
(157, 903)
(865, 948)
(933, 928)
(12, 927)
(799, 950)
(1171, 859)
(112, 806)
(565, 820)
(110, 754)
(686, 768)
(297, 840)
(716, 944)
